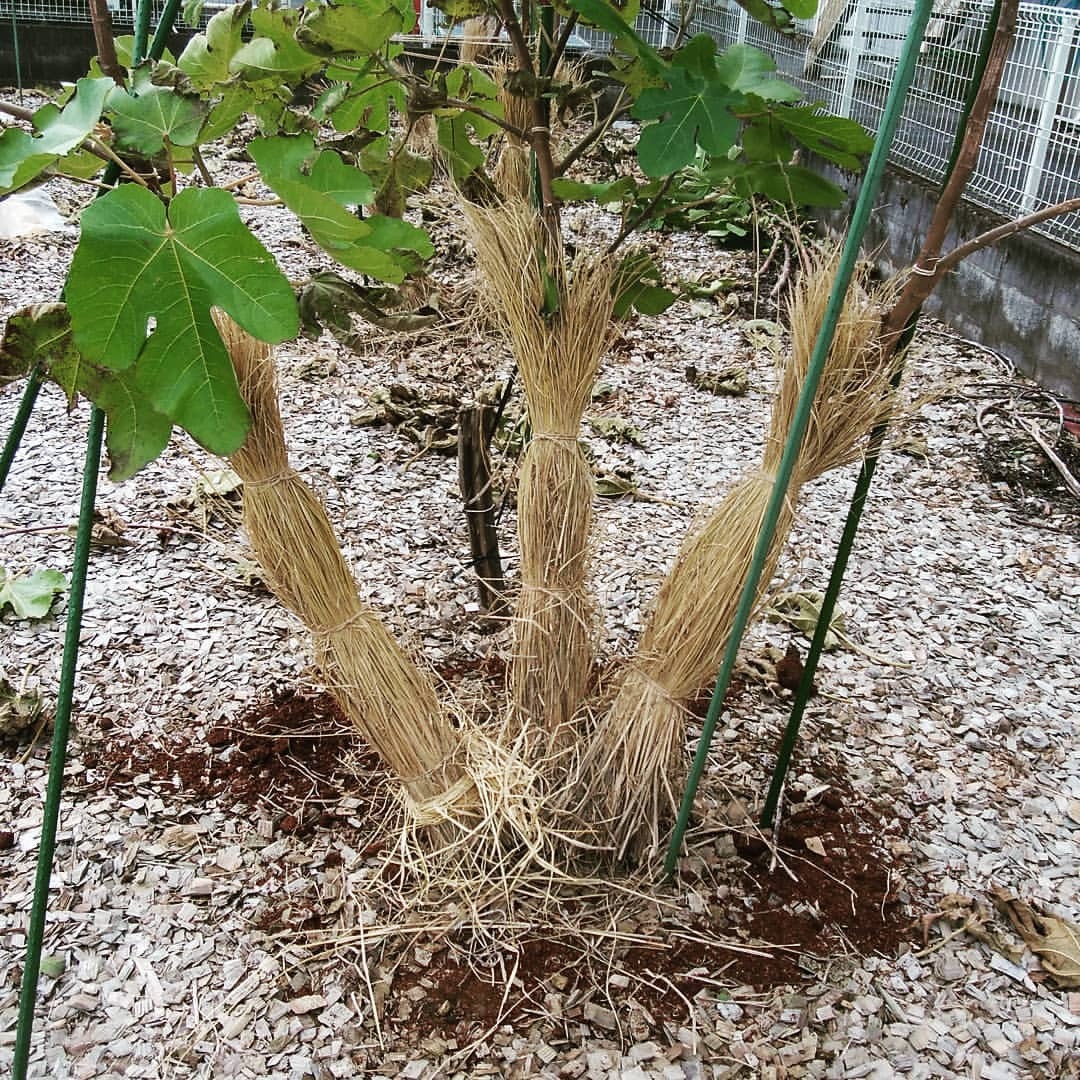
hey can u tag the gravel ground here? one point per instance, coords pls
(952, 724)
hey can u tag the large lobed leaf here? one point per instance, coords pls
(273, 53)
(136, 432)
(150, 116)
(134, 264)
(207, 56)
(59, 131)
(30, 595)
(354, 26)
(318, 186)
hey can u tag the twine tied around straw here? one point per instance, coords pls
(446, 806)
(285, 476)
(558, 438)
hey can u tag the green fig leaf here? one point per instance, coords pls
(136, 432)
(836, 138)
(30, 595)
(354, 26)
(317, 193)
(151, 115)
(207, 57)
(274, 53)
(690, 112)
(59, 131)
(133, 264)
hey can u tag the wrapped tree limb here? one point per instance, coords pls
(389, 699)
(636, 760)
(558, 320)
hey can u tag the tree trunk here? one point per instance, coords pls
(476, 425)
(103, 39)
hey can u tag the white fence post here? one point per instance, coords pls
(856, 48)
(669, 22)
(1048, 111)
(744, 25)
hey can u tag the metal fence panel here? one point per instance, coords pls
(845, 56)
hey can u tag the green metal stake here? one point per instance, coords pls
(36, 930)
(164, 29)
(142, 32)
(35, 933)
(828, 605)
(18, 425)
(862, 485)
(15, 43)
(863, 206)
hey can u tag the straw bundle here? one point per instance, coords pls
(511, 172)
(637, 755)
(558, 356)
(478, 38)
(390, 700)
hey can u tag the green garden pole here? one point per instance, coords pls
(18, 425)
(35, 933)
(142, 32)
(164, 29)
(862, 485)
(828, 605)
(890, 118)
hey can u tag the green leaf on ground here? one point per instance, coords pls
(151, 115)
(638, 285)
(30, 596)
(59, 131)
(133, 264)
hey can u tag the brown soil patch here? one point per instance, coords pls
(842, 903)
(294, 752)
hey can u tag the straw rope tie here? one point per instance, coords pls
(440, 807)
(340, 628)
(662, 691)
(270, 481)
(568, 442)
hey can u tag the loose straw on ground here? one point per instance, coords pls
(387, 697)
(558, 355)
(632, 770)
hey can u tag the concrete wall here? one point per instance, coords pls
(1021, 297)
(53, 52)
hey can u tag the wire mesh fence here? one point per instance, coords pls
(845, 57)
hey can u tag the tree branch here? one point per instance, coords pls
(597, 131)
(921, 281)
(104, 42)
(539, 134)
(1002, 232)
(560, 46)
